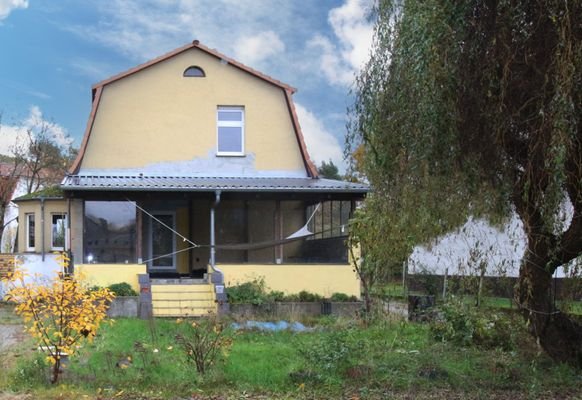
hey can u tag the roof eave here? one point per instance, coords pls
(211, 189)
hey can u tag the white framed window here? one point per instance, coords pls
(30, 224)
(58, 231)
(230, 124)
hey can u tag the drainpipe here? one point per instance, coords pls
(212, 232)
(69, 240)
(217, 277)
(42, 227)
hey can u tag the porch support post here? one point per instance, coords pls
(139, 236)
(278, 232)
(42, 223)
(217, 277)
(213, 233)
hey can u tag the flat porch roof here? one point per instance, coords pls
(143, 183)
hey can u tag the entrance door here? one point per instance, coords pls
(163, 241)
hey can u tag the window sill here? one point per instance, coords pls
(230, 155)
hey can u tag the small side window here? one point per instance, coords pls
(30, 243)
(194, 72)
(58, 231)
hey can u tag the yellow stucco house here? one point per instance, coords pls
(193, 173)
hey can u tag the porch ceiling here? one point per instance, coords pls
(142, 183)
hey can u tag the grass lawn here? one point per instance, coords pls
(339, 359)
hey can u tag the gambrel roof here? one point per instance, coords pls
(97, 90)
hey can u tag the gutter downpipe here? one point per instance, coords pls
(213, 232)
(217, 276)
(42, 227)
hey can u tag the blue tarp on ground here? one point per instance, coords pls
(272, 326)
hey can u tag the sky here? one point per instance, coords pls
(52, 51)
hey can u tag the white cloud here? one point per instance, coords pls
(17, 135)
(340, 61)
(254, 49)
(321, 144)
(7, 6)
(94, 70)
(143, 29)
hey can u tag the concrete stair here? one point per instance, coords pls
(182, 298)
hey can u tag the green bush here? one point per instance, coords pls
(342, 297)
(249, 293)
(305, 296)
(466, 325)
(254, 292)
(333, 353)
(277, 296)
(122, 289)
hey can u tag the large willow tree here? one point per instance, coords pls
(475, 107)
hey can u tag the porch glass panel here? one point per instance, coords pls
(260, 225)
(109, 235)
(163, 241)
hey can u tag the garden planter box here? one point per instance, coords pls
(288, 310)
(126, 307)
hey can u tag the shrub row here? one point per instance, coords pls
(255, 292)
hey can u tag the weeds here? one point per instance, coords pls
(204, 341)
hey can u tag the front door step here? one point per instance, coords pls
(182, 297)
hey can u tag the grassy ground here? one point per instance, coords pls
(339, 359)
(395, 290)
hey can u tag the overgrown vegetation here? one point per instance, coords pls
(59, 315)
(204, 341)
(122, 289)
(255, 292)
(473, 108)
(341, 359)
(464, 324)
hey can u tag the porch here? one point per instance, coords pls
(293, 237)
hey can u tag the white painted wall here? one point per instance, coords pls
(501, 248)
(36, 269)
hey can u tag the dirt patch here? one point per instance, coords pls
(12, 396)
(10, 335)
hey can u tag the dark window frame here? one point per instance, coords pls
(194, 71)
(63, 216)
(30, 234)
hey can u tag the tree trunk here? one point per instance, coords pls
(55, 371)
(557, 333)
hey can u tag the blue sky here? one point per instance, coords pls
(52, 51)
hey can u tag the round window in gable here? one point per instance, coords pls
(194, 72)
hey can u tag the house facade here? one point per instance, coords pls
(193, 171)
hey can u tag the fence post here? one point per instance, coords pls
(445, 283)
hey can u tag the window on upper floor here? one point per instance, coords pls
(30, 244)
(230, 122)
(58, 231)
(194, 72)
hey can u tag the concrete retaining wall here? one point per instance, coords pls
(124, 307)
